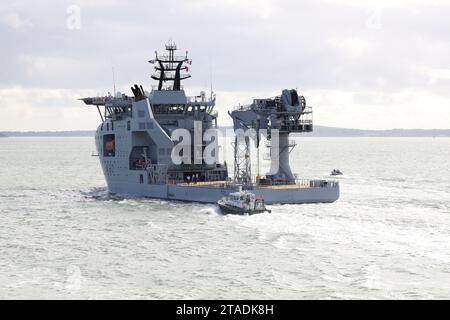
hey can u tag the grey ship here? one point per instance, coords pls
(135, 142)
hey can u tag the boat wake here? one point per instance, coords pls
(211, 210)
(102, 194)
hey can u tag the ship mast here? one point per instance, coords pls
(171, 67)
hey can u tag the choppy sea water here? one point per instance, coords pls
(63, 236)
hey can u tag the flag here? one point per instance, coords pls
(189, 61)
(151, 61)
(187, 69)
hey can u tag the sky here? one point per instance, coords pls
(360, 64)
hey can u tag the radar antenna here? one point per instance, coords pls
(171, 67)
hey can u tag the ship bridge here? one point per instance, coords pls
(169, 102)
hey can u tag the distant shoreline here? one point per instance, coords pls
(319, 131)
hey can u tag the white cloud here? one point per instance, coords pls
(14, 21)
(409, 109)
(439, 74)
(360, 63)
(387, 3)
(353, 46)
(45, 109)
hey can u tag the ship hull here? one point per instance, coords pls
(205, 194)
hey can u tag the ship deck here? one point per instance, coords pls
(207, 184)
(284, 186)
(228, 184)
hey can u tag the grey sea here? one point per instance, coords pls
(63, 236)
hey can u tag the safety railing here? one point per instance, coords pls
(304, 183)
(317, 183)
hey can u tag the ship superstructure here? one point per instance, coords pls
(143, 149)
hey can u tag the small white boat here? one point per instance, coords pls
(336, 172)
(242, 202)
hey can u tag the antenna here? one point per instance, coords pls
(114, 81)
(210, 76)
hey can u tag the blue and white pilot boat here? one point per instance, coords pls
(242, 202)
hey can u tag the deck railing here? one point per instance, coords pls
(306, 183)
(317, 183)
(229, 184)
